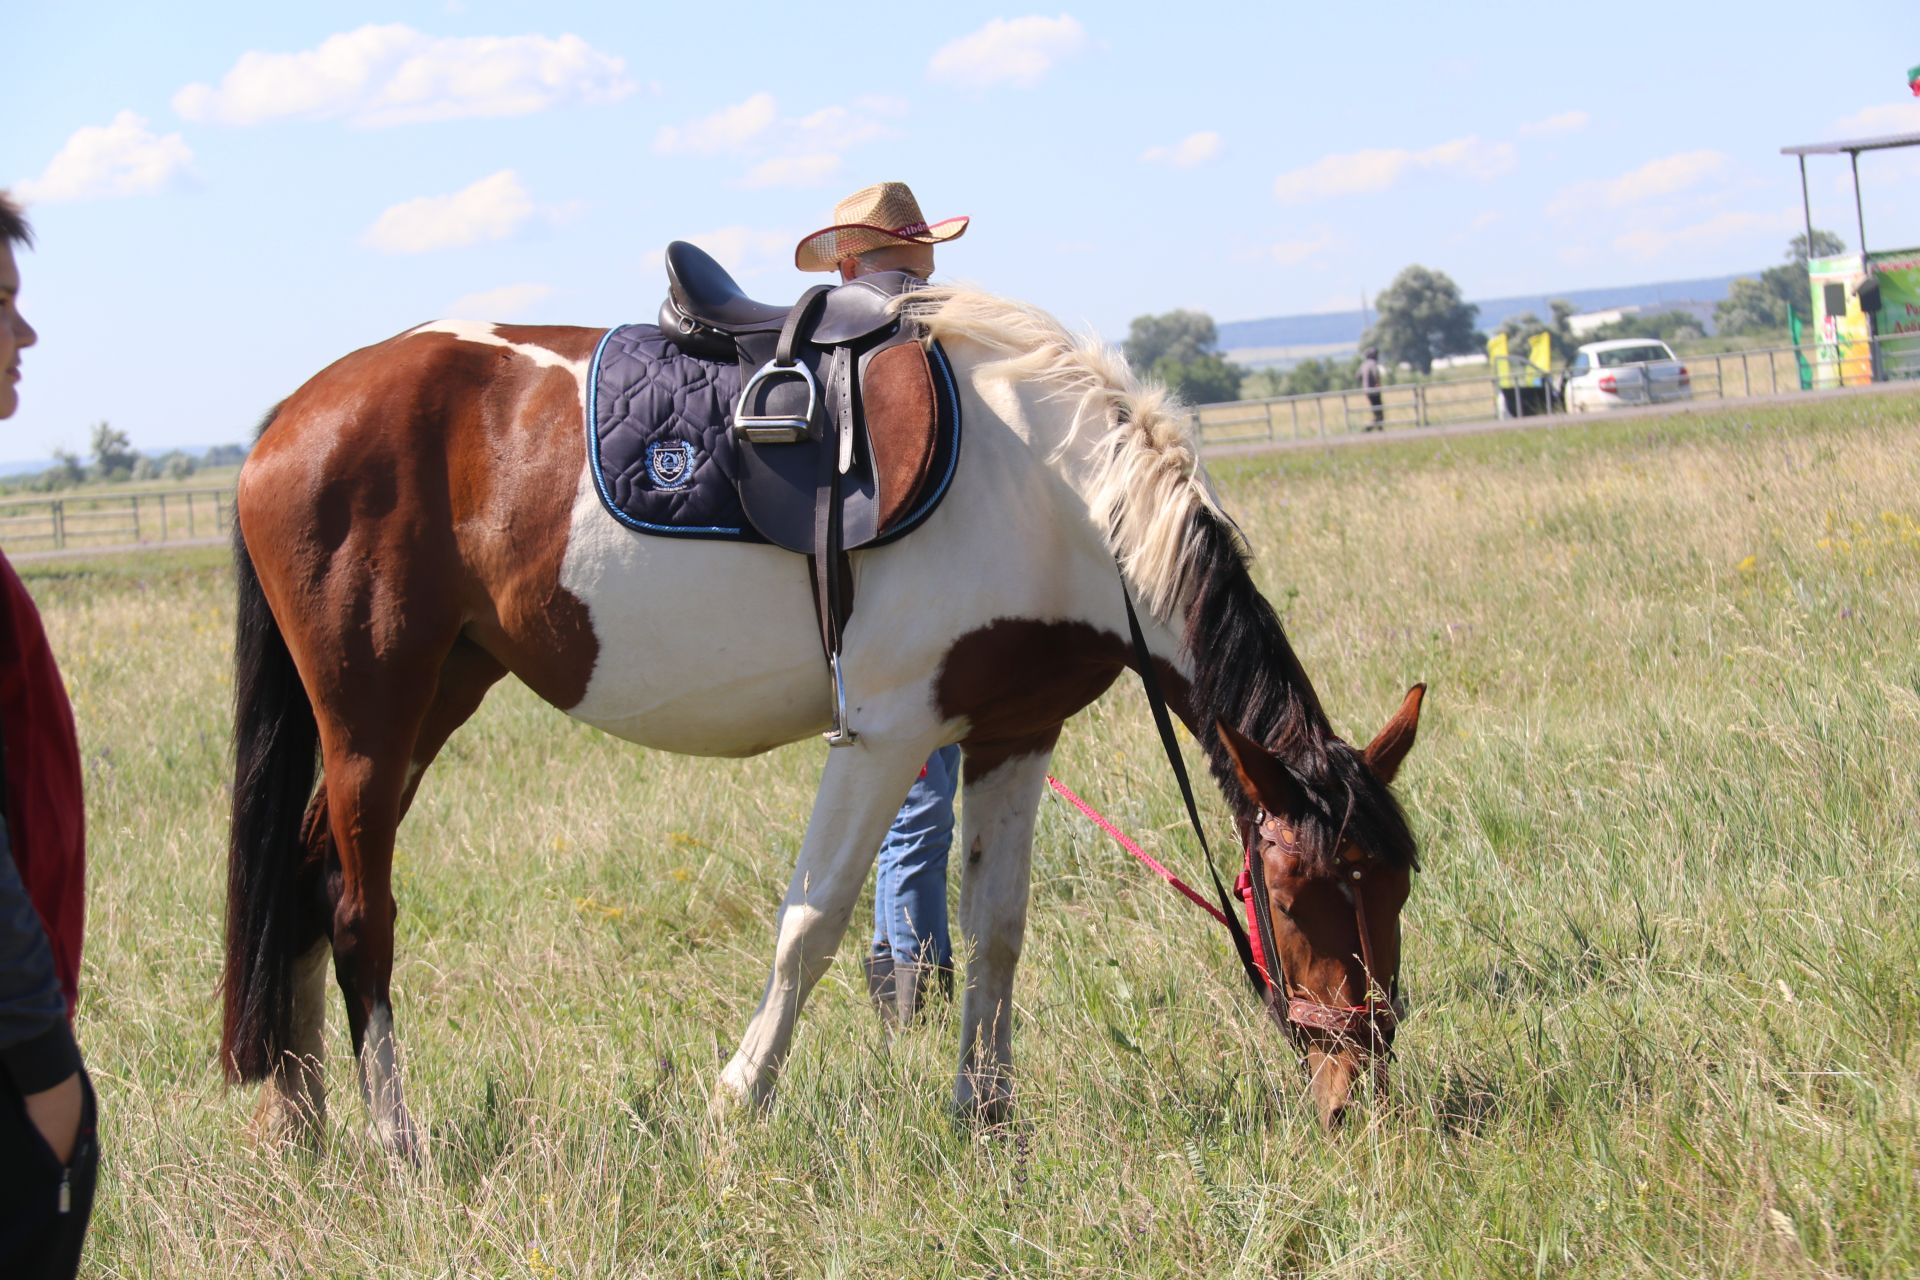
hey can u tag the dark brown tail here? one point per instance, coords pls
(275, 760)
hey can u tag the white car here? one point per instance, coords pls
(1607, 375)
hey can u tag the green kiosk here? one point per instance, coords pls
(1866, 305)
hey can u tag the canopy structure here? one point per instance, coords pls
(1852, 151)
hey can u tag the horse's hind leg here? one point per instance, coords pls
(997, 812)
(296, 1101)
(377, 732)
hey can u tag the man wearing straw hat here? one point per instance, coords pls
(881, 228)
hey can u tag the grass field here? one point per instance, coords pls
(1662, 958)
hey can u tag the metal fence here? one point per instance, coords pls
(73, 521)
(1728, 375)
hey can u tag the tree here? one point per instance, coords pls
(113, 453)
(1670, 326)
(1757, 306)
(1421, 315)
(1312, 376)
(1181, 335)
(1178, 349)
(1205, 379)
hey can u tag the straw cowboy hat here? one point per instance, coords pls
(873, 218)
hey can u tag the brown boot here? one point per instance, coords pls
(882, 988)
(912, 982)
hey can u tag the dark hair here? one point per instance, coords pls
(14, 228)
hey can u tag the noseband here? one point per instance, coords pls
(1297, 1009)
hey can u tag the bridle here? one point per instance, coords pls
(1367, 1025)
(1370, 1023)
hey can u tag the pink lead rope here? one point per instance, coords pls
(1095, 817)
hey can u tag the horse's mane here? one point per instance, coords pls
(1177, 549)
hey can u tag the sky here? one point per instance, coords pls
(229, 196)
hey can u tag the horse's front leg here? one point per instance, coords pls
(860, 791)
(997, 811)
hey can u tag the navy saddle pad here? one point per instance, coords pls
(660, 442)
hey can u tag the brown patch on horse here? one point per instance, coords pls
(1016, 681)
(456, 458)
(896, 394)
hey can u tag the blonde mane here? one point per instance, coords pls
(1144, 484)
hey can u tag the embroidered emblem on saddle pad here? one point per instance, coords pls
(664, 460)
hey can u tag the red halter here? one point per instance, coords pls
(1376, 1017)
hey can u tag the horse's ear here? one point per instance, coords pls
(1265, 779)
(1384, 754)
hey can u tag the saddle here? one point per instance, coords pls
(835, 428)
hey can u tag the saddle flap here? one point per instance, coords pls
(896, 389)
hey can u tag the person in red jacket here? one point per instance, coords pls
(48, 1152)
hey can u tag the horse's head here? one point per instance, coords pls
(1331, 866)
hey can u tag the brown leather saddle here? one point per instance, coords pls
(837, 425)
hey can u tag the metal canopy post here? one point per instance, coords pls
(1859, 218)
(1806, 205)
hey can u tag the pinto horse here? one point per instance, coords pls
(418, 521)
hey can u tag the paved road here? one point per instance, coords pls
(1395, 434)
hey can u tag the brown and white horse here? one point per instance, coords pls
(417, 521)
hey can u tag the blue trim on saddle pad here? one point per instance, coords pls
(660, 443)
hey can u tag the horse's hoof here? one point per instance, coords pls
(983, 1103)
(401, 1139)
(285, 1118)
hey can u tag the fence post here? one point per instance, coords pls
(59, 524)
(136, 517)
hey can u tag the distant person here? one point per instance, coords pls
(48, 1151)
(1371, 381)
(881, 228)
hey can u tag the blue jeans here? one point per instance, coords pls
(910, 884)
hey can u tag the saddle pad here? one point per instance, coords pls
(658, 437)
(664, 459)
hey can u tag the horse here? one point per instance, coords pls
(418, 520)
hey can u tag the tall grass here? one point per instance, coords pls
(1662, 959)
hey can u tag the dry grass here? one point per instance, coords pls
(1662, 958)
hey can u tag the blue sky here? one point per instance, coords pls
(231, 196)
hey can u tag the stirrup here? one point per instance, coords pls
(776, 428)
(840, 735)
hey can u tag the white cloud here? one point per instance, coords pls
(1017, 51)
(387, 75)
(122, 158)
(1293, 253)
(728, 129)
(793, 171)
(1653, 242)
(1565, 122)
(1195, 148)
(743, 251)
(491, 209)
(1484, 220)
(1887, 117)
(1373, 171)
(1666, 176)
(504, 303)
(788, 151)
